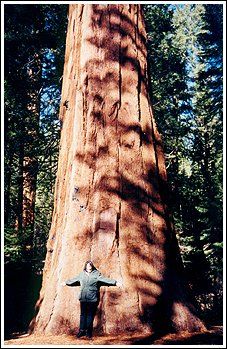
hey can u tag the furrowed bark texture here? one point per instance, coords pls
(109, 196)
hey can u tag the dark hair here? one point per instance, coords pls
(91, 263)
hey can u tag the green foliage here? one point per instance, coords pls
(12, 247)
(185, 56)
(33, 33)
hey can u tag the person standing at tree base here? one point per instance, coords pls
(90, 280)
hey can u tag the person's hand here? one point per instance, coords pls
(119, 284)
(63, 283)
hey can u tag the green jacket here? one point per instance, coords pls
(90, 284)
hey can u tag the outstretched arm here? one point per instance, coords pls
(108, 281)
(72, 282)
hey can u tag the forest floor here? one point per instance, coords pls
(213, 336)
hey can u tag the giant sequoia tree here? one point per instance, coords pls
(110, 195)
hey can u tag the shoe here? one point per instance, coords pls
(89, 335)
(81, 333)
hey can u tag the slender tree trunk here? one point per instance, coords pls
(7, 207)
(19, 210)
(8, 172)
(110, 188)
(29, 191)
(30, 162)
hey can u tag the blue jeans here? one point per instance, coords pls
(87, 314)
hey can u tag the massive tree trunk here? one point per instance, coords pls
(111, 185)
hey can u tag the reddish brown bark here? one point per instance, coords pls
(110, 189)
(29, 191)
(30, 162)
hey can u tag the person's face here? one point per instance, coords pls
(88, 268)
